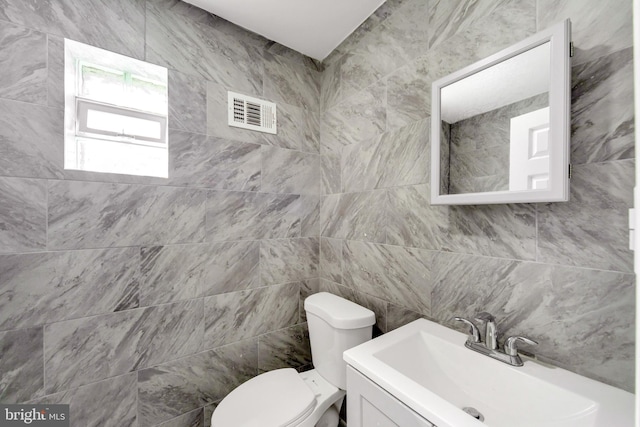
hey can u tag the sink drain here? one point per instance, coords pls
(474, 413)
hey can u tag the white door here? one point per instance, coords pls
(529, 151)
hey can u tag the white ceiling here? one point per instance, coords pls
(311, 27)
(520, 77)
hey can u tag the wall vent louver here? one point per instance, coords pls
(252, 113)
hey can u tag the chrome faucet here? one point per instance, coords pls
(490, 330)
(490, 347)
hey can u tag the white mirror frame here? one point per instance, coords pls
(559, 37)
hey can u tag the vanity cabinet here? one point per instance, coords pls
(368, 405)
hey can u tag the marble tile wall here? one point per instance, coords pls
(144, 301)
(557, 272)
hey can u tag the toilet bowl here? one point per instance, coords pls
(286, 398)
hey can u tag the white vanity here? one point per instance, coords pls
(370, 405)
(422, 375)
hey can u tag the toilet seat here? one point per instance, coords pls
(276, 398)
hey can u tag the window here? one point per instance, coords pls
(115, 113)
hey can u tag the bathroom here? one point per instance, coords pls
(144, 301)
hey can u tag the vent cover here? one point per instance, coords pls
(252, 113)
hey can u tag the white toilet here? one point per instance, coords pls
(286, 398)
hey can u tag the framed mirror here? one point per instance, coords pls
(500, 128)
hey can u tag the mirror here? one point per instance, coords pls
(500, 127)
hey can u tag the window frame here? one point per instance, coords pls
(83, 105)
(79, 100)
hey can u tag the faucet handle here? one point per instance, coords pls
(485, 317)
(475, 334)
(511, 344)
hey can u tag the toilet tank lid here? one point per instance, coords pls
(339, 312)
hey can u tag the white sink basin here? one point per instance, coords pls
(428, 368)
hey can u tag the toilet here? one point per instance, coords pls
(286, 398)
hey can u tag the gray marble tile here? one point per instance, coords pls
(82, 351)
(21, 365)
(46, 287)
(597, 319)
(231, 266)
(241, 315)
(396, 274)
(357, 118)
(597, 27)
(448, 18)
(408, 94)
(87, 214)
(464, 285)
(377, 55)
(290, 82)
(108, 403)
(383, 12)
(396, 158)
(405, 23)
(31, 140)
(307, 287)
(175, 388)
(309, 207)
(412, 221)
(399, 316)
(87, 176)
(194, 418)
(331, 259)
(493, 230)
(591, 230)
(172, 273)
(359, 216)
(330, 92)
(117, 25)
(208, 412)
(288, 171)
(24, 214)
(298, 129)
(275, 48)
(286, 348)
(289, 260)
(507, 231)
(202, 161)
(377, 305)
(582, 318)
(409, 87)
(251, 216)
(55, 71)
(331, 174)
(23, 64)
(602, 120)
(212, 54)
(187, 102)
(401, 37)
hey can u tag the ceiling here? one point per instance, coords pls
(312, 27)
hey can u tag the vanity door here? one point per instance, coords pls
(368, 405)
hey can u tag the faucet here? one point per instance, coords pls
(490, 347)
(490, 331)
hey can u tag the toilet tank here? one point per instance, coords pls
(335, 325)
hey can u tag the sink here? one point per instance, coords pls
(427, 367)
